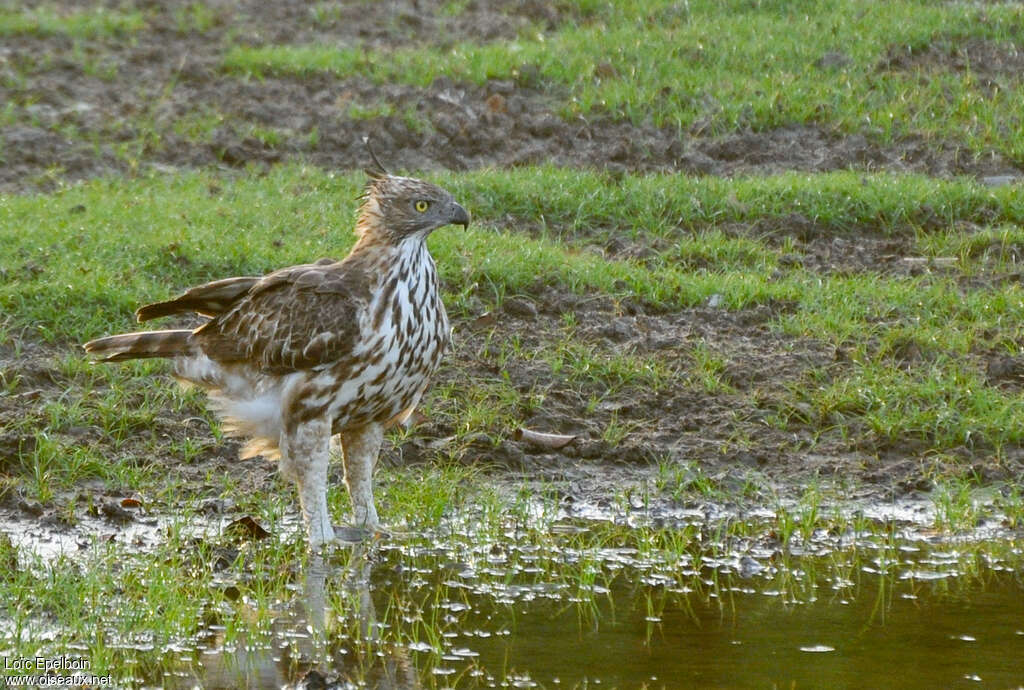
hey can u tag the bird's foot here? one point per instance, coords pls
(358, 534)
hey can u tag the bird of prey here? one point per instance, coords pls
(332, 347)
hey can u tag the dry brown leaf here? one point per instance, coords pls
(246, 528)
(543, 440)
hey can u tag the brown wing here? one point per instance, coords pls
(209, 299)
(292, 319)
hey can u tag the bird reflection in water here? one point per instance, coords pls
(312, 644)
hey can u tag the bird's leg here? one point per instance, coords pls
(361, 447)
(305, 452)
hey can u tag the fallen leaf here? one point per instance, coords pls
(543, 440)
(439, 443)
(112, 511)
(496, 103)
(485, 320)
(246, 528)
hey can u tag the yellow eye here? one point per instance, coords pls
(422, 206)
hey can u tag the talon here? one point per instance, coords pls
(347, 534)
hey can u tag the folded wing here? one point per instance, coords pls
(290, 320)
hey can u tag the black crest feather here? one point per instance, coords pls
(377, 170)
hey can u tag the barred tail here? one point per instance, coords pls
(141, 345)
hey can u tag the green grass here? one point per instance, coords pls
(175, 226)
(566, 203)
(945, 405)
(713, 67)
(79, 24)
(96, 251)
(195, 17)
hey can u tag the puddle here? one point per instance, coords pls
(569, 608)
(634, 634)
(590, 595)
(50, 541)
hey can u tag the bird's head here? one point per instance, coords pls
(395, 208)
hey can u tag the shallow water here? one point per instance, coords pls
(901, 609)
(760, 641)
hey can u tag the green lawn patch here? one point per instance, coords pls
(706, 67)
(50, 21)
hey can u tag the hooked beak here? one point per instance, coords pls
(459, 216)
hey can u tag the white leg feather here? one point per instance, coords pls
(305, 457)
(361, 448)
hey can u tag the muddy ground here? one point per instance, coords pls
(160, 100)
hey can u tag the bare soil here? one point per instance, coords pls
(727, 435)
(986, 60)
(160, 99)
